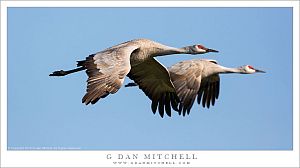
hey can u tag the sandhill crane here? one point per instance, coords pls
(199, 77)
(107, 69)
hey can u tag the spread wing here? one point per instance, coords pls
(187, 77)
(209, 90)
(106, 71)
(154, 79)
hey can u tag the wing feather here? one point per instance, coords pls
(210, 88)
(186, 79)
(154, 80)
(191, 79)
(106, 71)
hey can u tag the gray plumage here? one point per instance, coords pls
(107, 69)
(200, 78)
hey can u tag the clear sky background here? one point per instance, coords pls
(254, 112)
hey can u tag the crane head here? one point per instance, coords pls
(200, 49)
(248, 69)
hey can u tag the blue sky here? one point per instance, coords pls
(254, 112)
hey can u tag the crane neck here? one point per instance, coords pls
(171, 50)
(225, 70)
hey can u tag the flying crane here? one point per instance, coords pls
(107, 69)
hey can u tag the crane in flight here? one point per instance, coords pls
(107, 69)
(199, 78)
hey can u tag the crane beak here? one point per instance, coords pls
(211, 50)
(257, 70)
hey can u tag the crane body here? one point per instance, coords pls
(107, 69)
(199, 78)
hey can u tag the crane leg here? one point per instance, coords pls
(63, 73)
(131, 84)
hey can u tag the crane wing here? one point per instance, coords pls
(154, 79)
(106, 71)
(209, 90)
(186, 77)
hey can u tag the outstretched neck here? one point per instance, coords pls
(230, 70)
(172, 50)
